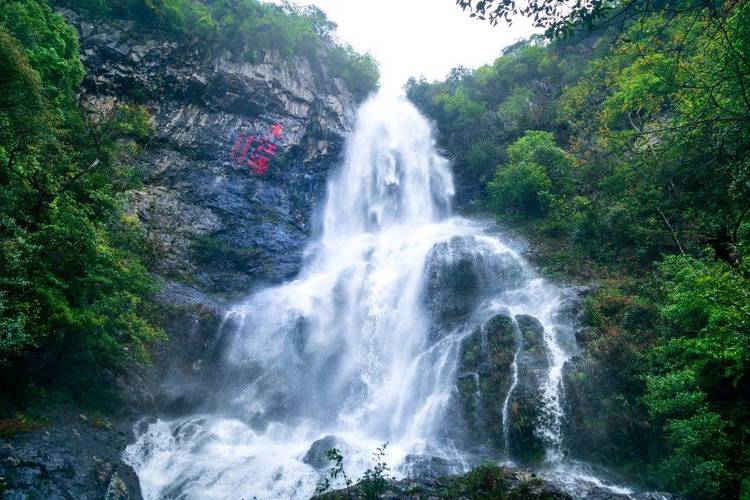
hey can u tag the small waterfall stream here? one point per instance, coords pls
(371, 341)
(506, 401)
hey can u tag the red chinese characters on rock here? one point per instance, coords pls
(256, 152)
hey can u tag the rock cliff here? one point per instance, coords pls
(223, 227)
(218, 228)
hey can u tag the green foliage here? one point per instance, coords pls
(370, 486)
(72, 305)
(521, 188)
(539, 148)
(359, 71)
(248, 27)
(624, 155)
(709, 304)
(480, 113)
(484, 482)
(695, 388)
(536, 173)
(50, 45)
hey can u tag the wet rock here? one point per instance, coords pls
(68, 457)
(316, 456)
(525, 415)
(483, 380)
(487, 481)
(462, 271)
(452, 287)
(570, 310)
(605, 423)
(187, 366)
(428, 466)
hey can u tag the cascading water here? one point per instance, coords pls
(370, 342)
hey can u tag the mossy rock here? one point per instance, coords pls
(525, 445)
(484, 378)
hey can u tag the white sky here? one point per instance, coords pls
(419, 37)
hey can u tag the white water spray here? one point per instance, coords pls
(352, 348)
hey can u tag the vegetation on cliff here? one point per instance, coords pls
(623, 154)
(72, 284)
(247, 27)
(74, 278)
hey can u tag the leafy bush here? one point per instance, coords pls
(521, 188)
(370, 486)
(694, 391)
(536, 171)
(484, 482)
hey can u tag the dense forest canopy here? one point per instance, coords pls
(72, 283)
(623, 153)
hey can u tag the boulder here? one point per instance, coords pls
(316, 456)
(525, 404)
(68, 455)
(483, 380)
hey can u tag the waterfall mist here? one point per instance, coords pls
(392, 332)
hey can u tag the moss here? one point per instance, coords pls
(486, 356)
(19, 424)
(212, 251)
(484, 482)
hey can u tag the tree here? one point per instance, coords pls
(520, 188)
(537, 170)
(72, 305)
(555, 16)
(562, 17)
(695, 389)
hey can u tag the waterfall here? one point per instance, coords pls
(373, 340)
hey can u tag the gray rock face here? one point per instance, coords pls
(221, 227)
(77, 458)
(459, 273)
